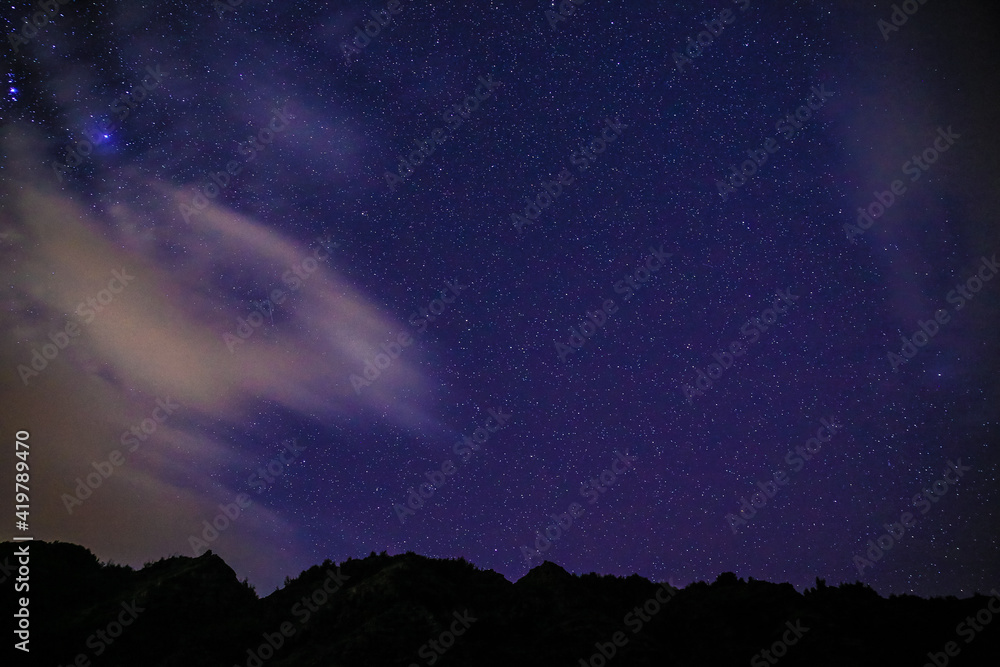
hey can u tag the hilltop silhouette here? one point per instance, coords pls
(411, 610)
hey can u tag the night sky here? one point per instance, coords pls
(540, 267)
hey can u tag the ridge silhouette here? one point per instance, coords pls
(408, 610)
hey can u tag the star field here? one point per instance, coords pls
(570, 154)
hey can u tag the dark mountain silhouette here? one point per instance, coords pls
(410, 610)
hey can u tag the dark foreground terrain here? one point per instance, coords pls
(410, 610)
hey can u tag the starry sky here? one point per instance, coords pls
(510, 281)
